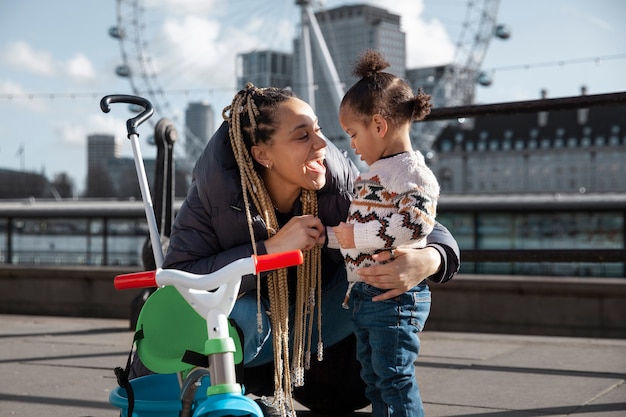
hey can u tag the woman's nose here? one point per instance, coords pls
(321, 141)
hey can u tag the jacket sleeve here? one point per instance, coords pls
(441, 239)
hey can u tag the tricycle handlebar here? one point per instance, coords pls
(252, 265)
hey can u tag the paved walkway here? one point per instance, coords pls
(61, 367)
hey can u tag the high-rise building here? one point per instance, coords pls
(100, 148)
(199, 127)
(348, 31)
(265, 69)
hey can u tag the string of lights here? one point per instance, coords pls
(97, 95)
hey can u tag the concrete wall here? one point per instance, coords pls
(63, 291)
(559, 306)
(556, 306)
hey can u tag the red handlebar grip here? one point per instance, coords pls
(278, 260)
(145, 279)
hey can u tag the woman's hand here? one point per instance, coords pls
(408, 268)
(301, 232)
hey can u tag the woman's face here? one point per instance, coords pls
(296, 152)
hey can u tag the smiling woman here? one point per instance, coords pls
(270, 160)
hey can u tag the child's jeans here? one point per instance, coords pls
(388, 345)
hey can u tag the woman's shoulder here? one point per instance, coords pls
(215, 173)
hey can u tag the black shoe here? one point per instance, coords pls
(269, 409)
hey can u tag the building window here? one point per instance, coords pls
(534, 133)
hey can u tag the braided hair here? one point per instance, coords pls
(252, 120)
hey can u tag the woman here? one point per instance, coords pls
(296, 183)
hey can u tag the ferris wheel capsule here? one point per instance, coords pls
(484, 79)
(503, 31)
(116, 32)
(123, 70)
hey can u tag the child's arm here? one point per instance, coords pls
(344, 233)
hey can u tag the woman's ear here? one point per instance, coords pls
(380, 124)
(260, 155)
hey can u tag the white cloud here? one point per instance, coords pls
(22, 56)
(75, 133)
(80, 67)
(71, 133)
(203, 50)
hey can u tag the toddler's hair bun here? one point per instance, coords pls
(369, 64)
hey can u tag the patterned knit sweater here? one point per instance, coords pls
(394, 205)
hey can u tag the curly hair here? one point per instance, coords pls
(379, 92)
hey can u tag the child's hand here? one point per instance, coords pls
(345, 235)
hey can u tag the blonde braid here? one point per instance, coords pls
(309, 273)
(309, 286)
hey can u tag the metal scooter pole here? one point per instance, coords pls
(131, 127)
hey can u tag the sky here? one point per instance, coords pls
(57, 60)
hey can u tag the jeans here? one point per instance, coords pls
(258, 348)
(388, 345)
